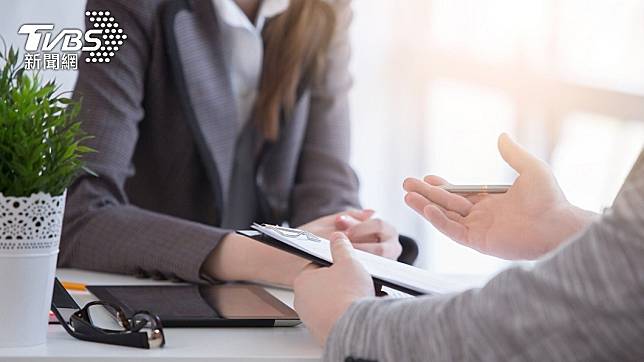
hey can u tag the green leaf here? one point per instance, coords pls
(66, 100)
(41, 142)
(12, 57)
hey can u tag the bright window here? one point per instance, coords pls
(437, 81)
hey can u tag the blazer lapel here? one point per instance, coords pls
(197, 56)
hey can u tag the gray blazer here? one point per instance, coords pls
(582, 302)
(169, 146)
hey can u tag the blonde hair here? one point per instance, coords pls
(295, 43)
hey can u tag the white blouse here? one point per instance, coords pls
(245, 46)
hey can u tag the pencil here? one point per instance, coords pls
(74, 286)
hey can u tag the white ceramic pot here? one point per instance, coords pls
(29, 237)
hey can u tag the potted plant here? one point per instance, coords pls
(40, 154)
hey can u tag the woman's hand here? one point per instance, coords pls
(532, 218)
(322, 295)
(325, 226)
(367, 233)
(237, 257)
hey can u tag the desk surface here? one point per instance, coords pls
(182, 344)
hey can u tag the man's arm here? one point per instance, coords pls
(583, 301)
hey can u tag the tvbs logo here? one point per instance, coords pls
(103, 38)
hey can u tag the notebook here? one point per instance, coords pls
(387, 272)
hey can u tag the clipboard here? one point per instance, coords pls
(268, 240)
(393, 274)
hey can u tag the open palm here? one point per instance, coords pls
(530, 219)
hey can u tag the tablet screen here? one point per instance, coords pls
(193, 305)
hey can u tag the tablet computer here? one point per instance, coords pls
(224, 305)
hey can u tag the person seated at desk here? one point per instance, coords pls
(212, 115)
(583, 300)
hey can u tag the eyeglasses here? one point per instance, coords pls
(104, 322)
(293, 233)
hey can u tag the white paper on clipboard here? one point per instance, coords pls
(392, 271)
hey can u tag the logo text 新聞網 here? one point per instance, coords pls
(99, 43)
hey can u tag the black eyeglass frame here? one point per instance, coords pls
(80, 326)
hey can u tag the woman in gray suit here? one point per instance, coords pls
(211, 115)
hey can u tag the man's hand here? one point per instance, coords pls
(367, 233)
(532, 218)
(322, 295)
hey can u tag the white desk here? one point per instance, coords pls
(182, 344)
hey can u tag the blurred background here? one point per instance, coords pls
(436, 81)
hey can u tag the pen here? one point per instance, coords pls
(476, 189)
(74, 286)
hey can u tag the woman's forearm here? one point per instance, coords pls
(239, 258)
